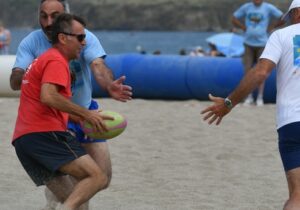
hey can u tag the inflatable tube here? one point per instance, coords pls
(180, 77)
(165, 76)
(6, 64)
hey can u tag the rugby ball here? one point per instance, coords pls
(115, 127)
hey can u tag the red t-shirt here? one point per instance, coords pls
(33, 115)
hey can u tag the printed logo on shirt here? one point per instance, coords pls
(30, 66)
(25, 80)
(255, 18)
(296, 42)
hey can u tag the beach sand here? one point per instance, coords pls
(169, 159)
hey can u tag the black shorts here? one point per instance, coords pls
(43, 153)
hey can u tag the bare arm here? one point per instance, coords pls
(51, 97)
(253, 79)
(104, 77)
(237, 23)
(16, 78)
(74, 118)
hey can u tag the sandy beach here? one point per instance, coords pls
(169, 159)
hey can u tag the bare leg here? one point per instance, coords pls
(51, 199)
(260, 101)
(61, 207)
(91, 179)
(84, 206)
(293, 179)
(261, 91)
(58, 190)
(248, 60)
(62, 186)
(100, 153)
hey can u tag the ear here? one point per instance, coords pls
(62, 38)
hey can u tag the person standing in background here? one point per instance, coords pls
(5, 38)
(257, 16)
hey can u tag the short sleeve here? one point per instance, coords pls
(273, 48)
(24, 56)
(93, 48)
(240, 12)
(56, 72)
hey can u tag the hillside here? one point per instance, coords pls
(184, 15)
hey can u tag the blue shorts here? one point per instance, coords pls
(43, 153)
(80, 135)
(289, 145)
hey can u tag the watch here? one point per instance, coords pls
(228, 103)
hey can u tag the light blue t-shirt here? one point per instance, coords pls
(257, 19)
(37, 43)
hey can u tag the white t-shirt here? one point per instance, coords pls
(283, 48)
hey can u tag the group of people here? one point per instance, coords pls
(213, 51)
(53, 69)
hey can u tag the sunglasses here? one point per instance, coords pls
(80, 37)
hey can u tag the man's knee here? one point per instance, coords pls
(100, 179)
(86, 168)
(108, 173)
(108, 180)
(100, 154)
(97, 174)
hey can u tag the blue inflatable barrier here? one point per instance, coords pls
(180, 77)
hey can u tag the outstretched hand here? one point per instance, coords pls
(215, 112)
(117, 90)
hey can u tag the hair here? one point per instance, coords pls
(63, 2)
(63, 23)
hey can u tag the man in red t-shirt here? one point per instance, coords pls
(42, 143)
